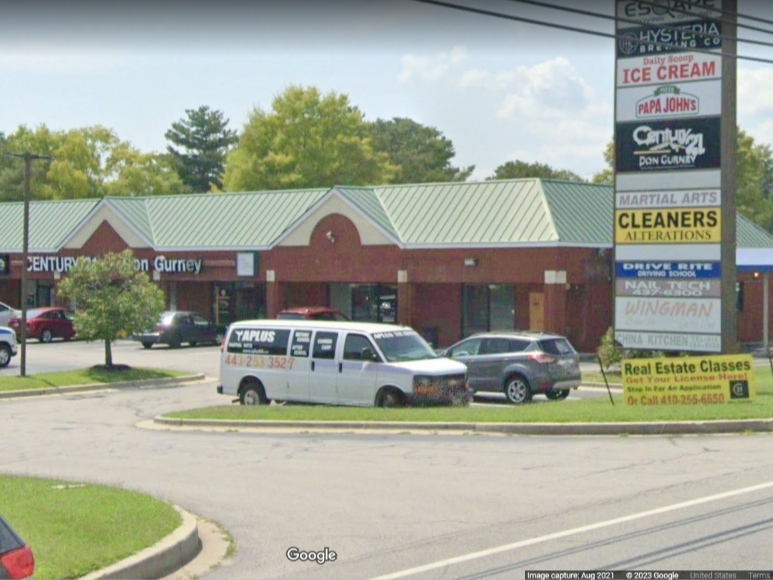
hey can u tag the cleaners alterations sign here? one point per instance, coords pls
(668, 226)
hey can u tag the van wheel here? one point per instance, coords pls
(147, 345)
(5, 355)
(517, 390)
(252, 393)
(390, 397)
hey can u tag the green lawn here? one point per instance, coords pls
(83, 377)
(591, 411)
(74, 529)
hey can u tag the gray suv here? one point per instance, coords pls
(520, 364)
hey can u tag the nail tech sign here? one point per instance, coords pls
(660, 69)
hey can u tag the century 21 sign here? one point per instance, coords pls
(160, 264)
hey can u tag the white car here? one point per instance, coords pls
(8, 346)
(6, 313)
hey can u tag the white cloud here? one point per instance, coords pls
(430, 68)
(549, 112)
(754, 90)
(57, 62)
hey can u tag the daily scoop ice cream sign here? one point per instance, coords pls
(674, 111)
(62, 265)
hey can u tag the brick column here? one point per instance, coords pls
(555, 301)
(274, 298)
(404, 299)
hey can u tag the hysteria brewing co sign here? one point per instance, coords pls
(668, 197)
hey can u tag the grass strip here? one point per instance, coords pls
(76, 528)
(597, 410)
(83, 377)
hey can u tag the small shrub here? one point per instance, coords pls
(611, 352)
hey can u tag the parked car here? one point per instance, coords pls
(16, 559)
(178, 326)
(312, 313)
(520, 364)
(7, 312)
(8, 345)
(45, 324)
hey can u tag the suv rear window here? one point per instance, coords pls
(556, 346)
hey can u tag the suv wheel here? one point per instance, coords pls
(517, 390)
(557, 394)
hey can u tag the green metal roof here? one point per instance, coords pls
(518, 212)
(229, 220)
(750, 235)
(369, 203)
(582, 213)
(50, 223)
(462, 213)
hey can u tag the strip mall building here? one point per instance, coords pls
(448, 259)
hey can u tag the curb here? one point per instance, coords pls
(102, 386)
(651, 428)
(166, 556)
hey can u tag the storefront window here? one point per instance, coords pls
(486, 307)
(374, 303)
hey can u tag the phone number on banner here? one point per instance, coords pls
(259, 361)
(695, 399)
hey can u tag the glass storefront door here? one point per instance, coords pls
(374, 302)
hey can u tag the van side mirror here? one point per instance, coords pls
(368, 354)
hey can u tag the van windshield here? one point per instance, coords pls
(403, 345)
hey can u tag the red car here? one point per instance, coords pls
(312, 313)
(45, 324)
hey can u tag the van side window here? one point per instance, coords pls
(301, 343)
(353, 346)
(325, 345)
(259, 341)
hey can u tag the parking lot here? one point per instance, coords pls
(72, 355)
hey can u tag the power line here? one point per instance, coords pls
(580, 30)
(699, 5)
(663, 26)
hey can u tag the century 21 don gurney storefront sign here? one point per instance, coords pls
(159, 263)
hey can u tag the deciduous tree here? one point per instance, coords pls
(422, 154)
(87, 162)
(200, 143)
(521, 169)
(113, 299)
(306, 140)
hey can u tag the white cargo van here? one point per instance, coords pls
(339, 363)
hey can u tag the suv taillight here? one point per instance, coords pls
(541, 357)
(18, 563)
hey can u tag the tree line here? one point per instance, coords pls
(305, 140)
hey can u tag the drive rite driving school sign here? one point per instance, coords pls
(669, 225)
(688, 380)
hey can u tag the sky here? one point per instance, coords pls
(499, 89)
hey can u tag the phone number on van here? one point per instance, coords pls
(259, 362)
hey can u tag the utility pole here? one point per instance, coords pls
(28, 159)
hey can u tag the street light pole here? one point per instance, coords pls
(28, 159)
